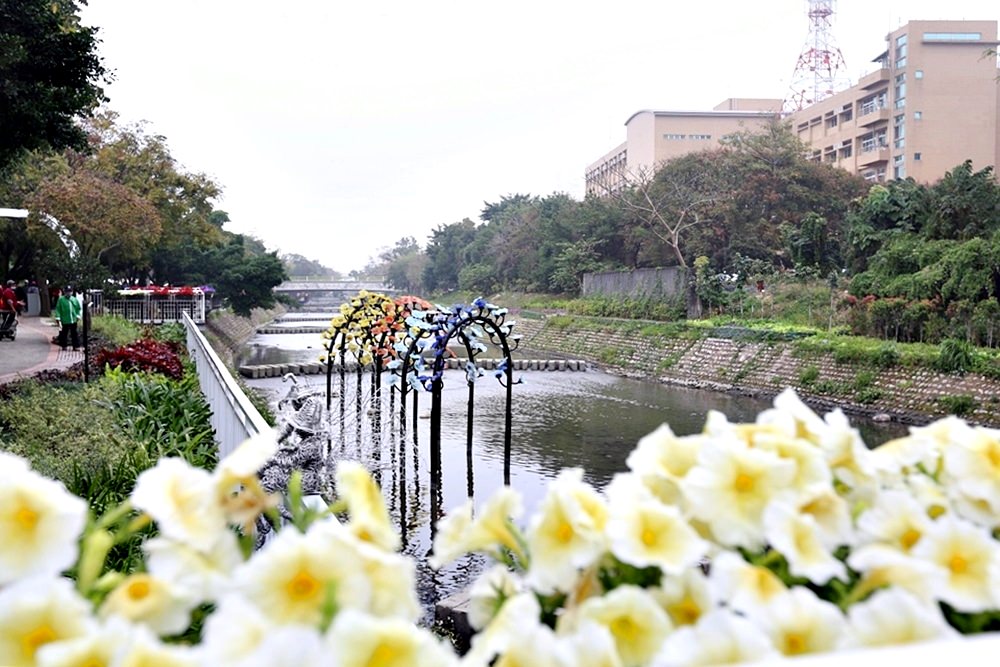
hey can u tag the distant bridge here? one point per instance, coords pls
(329, 294)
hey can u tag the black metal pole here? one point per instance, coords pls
(86, 339)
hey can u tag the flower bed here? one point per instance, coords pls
(744, 542)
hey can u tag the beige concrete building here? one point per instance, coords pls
(653, 137)
(931, 103)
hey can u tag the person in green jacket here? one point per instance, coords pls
(68, 312)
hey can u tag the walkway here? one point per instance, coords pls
(33, 351)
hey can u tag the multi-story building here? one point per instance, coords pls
(931, 104)
(653, 137)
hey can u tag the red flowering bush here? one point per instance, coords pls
(144, 355)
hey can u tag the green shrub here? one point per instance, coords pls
(116, 329)
(863, 380)
(560, 322)
(956, 356)
(808, 375)
(960, 404)
(169, 417)
(868, 395)
(170, 332)
(828, 387)
(887, 356)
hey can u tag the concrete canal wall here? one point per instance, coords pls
(228, 332)
(908, 395)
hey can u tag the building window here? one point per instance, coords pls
(674, 136)
(899, 167)
(918, 74)
(702, 137)
(872, 103)
(916, 157)
(918, 115)
(953, 36)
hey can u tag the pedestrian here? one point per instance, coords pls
(68, 312)
(8, 307)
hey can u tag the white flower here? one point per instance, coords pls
(643, 531)
(458, 533)
(567, 532)
(369, 519)
(37, 611)
(661, 460)
(797, 537)
(517, 616)
(896, 519)
(592, 645)
(201, 575)
(145, 650)
(288, 646)
(637, 624)
(104, 644)
(392, 579)
(798, 622)
(833, 517)
(719, 638)
(40, 523)
(142, 598)
(849, 459)
(536, 647)
(182, 501)
(237, 486)
(245, 461)
(730, 487)
(359, 640)
(893, 616)
(812, 474)
(970, 559)
(488, 593)
(294, 577)
(973, 465)
(233, 632)
(685, 598)
(794, 417)
(888, 566)
(744, 587)
(905, 455)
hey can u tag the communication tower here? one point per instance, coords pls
(820, 71)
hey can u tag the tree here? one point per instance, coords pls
(50, 74)
(244, 279)
(298, 266)
(674, 198)
(445, 254)
(111, 223)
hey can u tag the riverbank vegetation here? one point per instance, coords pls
(97, 437)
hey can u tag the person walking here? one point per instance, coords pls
(68, 312)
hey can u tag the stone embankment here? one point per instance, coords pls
(314, 367)
(229, 332)
(907, 395)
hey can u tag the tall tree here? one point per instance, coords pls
(50, 74)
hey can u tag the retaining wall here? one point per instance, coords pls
(908, 395)
(228, 332)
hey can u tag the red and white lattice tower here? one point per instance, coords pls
(820, 71)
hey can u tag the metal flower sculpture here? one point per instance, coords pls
(422, 358)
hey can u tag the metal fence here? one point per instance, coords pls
(150, 309)
(234, 417)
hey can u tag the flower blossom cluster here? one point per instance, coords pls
(741, 543)
(321, 592)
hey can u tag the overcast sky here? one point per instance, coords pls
(336, 128)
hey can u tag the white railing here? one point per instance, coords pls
(234, 417)
(151, 309)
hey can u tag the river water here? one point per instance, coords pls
(562, 419)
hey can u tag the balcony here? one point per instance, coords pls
(873, 116)
(872, 79)
(873, 155)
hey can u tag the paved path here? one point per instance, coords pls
(32, 351)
